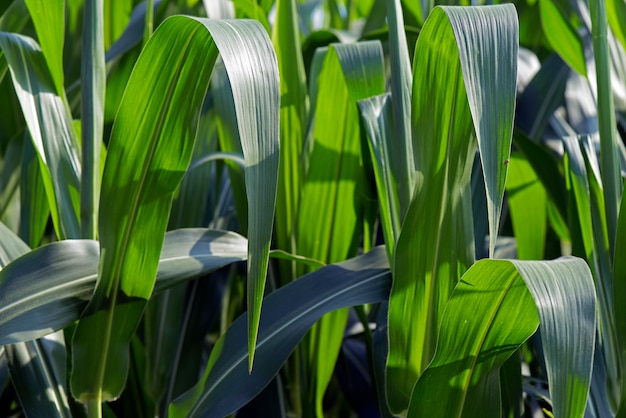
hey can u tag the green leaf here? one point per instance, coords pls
(287, 315)
(461, 75)
(523, 186)
(565, 297)
(34, 209)
(616, 15)
(37, 368)
(561, 35)
(32, 308)
(293, 122)
(619, 297)
(491, 313)
(376, 115)
(401, 152)
(149, 170)
(50, 128)
(609, 150)
(48, 16)
(336, 175)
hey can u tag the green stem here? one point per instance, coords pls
(609, 152)
(93, 77)
(149, 21)
(94, 407)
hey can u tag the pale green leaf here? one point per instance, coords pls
(376, 115)
(565, 297)
(50, 128)
(32, 307)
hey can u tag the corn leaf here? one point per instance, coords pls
(37, 368)
(562, 35)
(565, 297)
(336, 176)
(293, 122)
(619, 295)
(32, 307)
(50, 128)
(48, 17)
(34, 209)
(226, 385)
(490, 314)
(400, 144)
(523, 186)
(461, 75)
(376, 115)
(609, 149)
(149, 170)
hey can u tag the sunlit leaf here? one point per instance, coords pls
(463, 85)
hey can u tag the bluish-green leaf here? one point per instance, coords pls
(48, 288)
(226, 385)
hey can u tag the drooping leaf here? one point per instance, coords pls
(565, 297)
(32, 307)
(149, 170)
(463, 84)
(50, 128)
(463, 378)
(226, 384)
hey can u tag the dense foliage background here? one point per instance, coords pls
(276, 208)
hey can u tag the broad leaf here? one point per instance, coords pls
(463, 85)
(50, 128)
(330, 232)
(147, 171)
(226, 385)
(491, 313)
(31, 307)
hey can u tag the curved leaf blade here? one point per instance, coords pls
(227, 385)
(50, 128)
(463, 378)
(463, 85)
(565, 296)
(32, 308)
(149, 170)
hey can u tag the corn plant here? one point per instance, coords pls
(365, 175)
